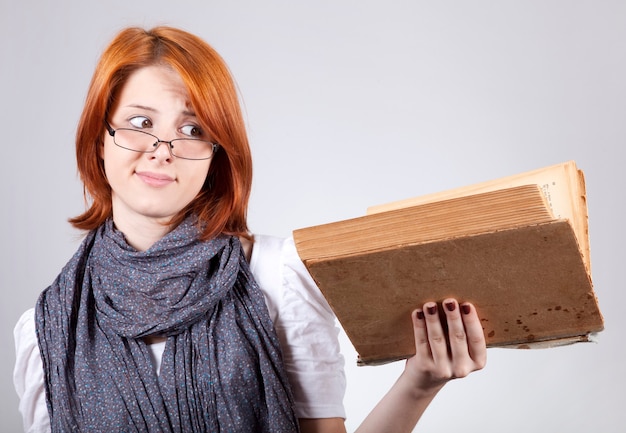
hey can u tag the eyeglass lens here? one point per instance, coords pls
(139, 141)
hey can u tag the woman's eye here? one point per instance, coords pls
(191, 130)
(141, 122)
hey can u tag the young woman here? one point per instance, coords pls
(171, 316)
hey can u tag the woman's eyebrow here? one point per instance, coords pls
(142, 107)
(188, 113)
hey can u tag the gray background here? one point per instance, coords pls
(349, 104)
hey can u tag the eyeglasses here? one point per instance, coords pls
(144, 142)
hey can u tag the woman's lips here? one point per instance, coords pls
(154, 179)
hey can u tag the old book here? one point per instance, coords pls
(516, 247)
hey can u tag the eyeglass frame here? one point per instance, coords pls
(112, 131)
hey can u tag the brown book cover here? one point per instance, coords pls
(516, 247)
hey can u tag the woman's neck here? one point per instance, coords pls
(141, 234)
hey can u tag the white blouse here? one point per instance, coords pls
(304, 322)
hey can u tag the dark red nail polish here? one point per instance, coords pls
(450, 306)
(465, 309)
(420, 314)
(432, 309)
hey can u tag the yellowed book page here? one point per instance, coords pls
(563, 187)
(461, 216)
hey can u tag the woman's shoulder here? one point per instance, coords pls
(275, 263)
(268, 256)
(266, 264)
(267, 244)
(284, 279)
(24, 331)
(26, 346)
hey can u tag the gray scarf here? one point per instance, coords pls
(221, 369)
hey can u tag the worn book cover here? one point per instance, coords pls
(517, 248)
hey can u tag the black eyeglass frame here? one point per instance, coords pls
(170, 146)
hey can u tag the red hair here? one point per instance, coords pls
(221, 205)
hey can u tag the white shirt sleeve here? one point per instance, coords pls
(28, 376)
(306, 326)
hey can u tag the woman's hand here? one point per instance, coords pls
(444, 350)
(449, 344)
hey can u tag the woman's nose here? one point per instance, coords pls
(162, 153)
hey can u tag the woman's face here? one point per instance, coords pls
(152, 186)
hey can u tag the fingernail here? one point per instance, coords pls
(450, 306)
(465, 309)
(432, 309)
(420, 314)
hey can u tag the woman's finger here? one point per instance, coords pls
(436, 334)
(475, 335)
(422, 346)
(456, 331)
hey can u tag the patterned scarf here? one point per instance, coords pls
(221, 369)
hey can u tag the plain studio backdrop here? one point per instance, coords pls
(350, 104)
